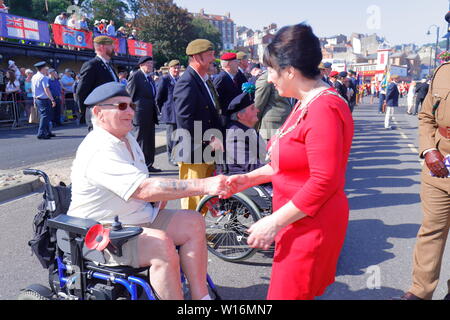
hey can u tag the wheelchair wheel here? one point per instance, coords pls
(31, 295)
(227, 221)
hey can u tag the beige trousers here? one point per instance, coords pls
(194, 171)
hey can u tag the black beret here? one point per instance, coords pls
(105, 92)
(144, 60)
(240, 102)
(343, 74)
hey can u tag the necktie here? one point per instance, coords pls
(111, 70)
(152, 84)
(215, 95)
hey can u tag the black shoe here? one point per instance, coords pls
(44, 137)
(52, 135)
(154, 170)
(408, 296)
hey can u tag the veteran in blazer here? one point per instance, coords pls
(434, 146)
(195, 106)
(94, 73)
(142, 90)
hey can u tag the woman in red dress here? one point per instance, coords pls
(308, 161)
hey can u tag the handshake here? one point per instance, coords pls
(224, 186)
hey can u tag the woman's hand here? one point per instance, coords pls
(238, 183)
(263, 233)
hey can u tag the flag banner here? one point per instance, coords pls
(23, 28)
(139, 48)
(65, 36)
(120, 45)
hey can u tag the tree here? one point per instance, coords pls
(167, 27)
(205, 30)
(37, 9)
(106, 9)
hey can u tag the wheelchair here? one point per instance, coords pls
(227, 221)
(77, 270)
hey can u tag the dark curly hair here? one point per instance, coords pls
(295, 46)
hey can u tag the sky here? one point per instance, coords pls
(399, 21)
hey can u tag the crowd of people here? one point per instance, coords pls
(296, 110)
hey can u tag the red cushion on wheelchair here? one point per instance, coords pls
(97, 238)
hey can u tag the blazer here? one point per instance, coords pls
(392, 95)
(142, 94)
(164, 99)
(93, 74)
(341, 89)
(227, 90)
(193, 104)
(241, 78)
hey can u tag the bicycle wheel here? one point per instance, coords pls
(227, 221)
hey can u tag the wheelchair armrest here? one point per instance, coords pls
(71, 224)
(119, 237)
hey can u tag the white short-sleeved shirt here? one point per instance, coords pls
(105, 176)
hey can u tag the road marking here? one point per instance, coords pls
(404, 136)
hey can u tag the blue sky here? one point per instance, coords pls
(400, 21)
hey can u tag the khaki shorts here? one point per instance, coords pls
(130, 250)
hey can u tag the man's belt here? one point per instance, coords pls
(445, 132)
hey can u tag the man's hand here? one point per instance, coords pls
(216, 144)
(217, 186)
(435, 162)
(53, 104)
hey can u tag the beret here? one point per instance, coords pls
(343, 74)
(199, 46)
(241, 55)
(240, 102)
(105, 92)
(334, 74)
(40, 64)
(327, 65)
(228, 56)
(103, 40)
(244, 100)
(51, 70)
(174, 63)
(144, 60)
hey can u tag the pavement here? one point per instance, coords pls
(14, 184)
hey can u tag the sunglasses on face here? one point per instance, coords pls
(121, 106)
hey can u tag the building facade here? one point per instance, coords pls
(224, 24)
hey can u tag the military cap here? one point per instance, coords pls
(105, 92)
(51, 70)
(144, 60)
(327, 65)
(40, 64)
(174, 63)
(199, 46)
(103, 40)
(228, 56)
(343, 74)
(241, 55)
(240, 102)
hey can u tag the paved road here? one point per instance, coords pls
(376, 261)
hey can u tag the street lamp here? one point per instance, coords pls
(437, 44)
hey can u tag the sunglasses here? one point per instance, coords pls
(121, 106)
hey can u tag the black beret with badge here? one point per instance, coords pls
(244, 100)
(105, 92)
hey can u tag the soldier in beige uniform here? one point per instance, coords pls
(434, 139)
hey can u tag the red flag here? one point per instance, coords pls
(139, 48)
(65, 36)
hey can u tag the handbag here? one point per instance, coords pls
(34, 115)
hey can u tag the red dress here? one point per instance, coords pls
(309, 169)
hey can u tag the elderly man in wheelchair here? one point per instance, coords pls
(110, 178)
(227, 220)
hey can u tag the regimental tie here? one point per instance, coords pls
(152, 84)
(215, 95)
(111, 70)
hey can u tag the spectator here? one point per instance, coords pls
(55, 89)
(67, 82)
(133, 35)
(61, 19)
(121, 33)
(12, 66)
(123, 75)
(28, 93)
(97, 31)
(111, 29)
(102, 26)
(73, 23)
(82, 24)
(12, 84)
(3, 7)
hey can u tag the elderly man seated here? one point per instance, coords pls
(245, 149)
(109, 178)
